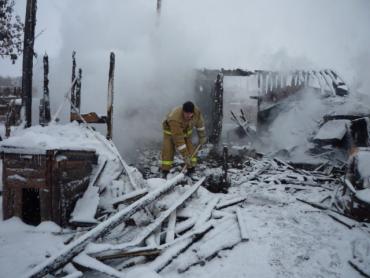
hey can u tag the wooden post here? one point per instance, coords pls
(78, 91)
(27, 69)
(217, 97)
(225, 157)
(44, 107)
(110, 97)
(73, 88)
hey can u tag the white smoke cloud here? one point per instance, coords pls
(154, 61)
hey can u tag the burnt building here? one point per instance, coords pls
(41, 185)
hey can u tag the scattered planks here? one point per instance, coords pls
(76, 247)
(146, 231)
(337, 216)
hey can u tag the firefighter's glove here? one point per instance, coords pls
(188, 162)
(202, 140)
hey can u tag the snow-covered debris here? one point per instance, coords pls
(363, 158)
(364, 195)
(86, 206)
(332, 130)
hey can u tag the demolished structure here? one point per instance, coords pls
(239, 196)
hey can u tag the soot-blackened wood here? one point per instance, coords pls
(78, 91)
(73, 88)
(27, 70)
(225, 157)
(110, 97)
(217, 108)
(45, 116)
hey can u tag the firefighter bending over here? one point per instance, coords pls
(177, 133)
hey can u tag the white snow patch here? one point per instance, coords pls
(23, 246)
(364, 195)
(142, 272)
(335, 129)
(86, 206)
(364, 163)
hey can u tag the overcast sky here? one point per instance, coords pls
(325, 33)
(152, 60)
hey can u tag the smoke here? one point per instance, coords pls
(155, 59)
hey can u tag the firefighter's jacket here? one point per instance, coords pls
(176, 126)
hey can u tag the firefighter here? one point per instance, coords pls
(177, 134)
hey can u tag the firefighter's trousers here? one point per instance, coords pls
(168, 152)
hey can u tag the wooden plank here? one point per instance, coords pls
(185, 225)
(26, 172)
(27, 183)
(170, 234)
(134, 252)
(130, 197)
(90, 118)
(146, 231)
(74, 248)
(231, 202)
(207, 212)
(91, 263)
(242, 225)
(177, 247)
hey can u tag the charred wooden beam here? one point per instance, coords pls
(78, 91)
(28, 52)
(73, 87)
(236, 72)
(225, 157)
(217, 108)
(135, 252)
(44, 108)
(90, 118)
(110, 98)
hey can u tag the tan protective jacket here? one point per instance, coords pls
(176, 126)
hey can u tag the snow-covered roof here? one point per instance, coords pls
(71, 136)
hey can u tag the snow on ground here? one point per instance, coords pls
(287, 238)
(24, 246)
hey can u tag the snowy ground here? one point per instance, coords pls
(287, 238)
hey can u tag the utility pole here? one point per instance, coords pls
(27, 69)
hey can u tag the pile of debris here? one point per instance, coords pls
(177, 223)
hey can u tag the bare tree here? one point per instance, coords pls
(11, 31)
